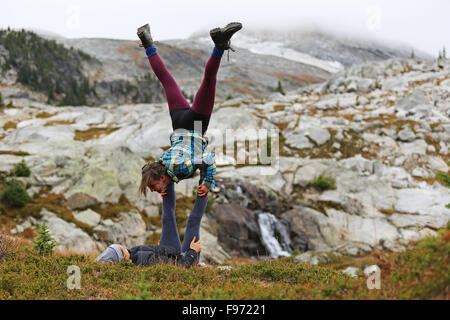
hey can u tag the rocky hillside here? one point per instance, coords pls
(361, 162)
(44, 66)
(42, 69)
(112, 71)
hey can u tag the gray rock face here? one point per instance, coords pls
(238, 231)
(212, 251)
(360, 229)
(310, 229)
(411, 103)
(89, 217)
(68, 237)
(417, 146)
(406, 135)
(424, 202)
(306, 174)
(128, 231)
(318, 135)
(299, 141)
(326, 256)
(80, 200)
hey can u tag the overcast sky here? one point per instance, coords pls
(422, 24)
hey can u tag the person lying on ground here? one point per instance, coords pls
(169, 248)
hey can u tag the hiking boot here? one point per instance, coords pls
(222, 36)
(145, 36)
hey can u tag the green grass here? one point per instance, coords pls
(419, 273)
(324, 183)
(443, 177)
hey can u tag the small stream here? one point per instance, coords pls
(274, 235)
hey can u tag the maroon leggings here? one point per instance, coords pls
(182, 114)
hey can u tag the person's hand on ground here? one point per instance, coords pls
(202, 190)
(196, 245)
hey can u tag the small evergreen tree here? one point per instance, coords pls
(21, 169)
(44, 242)
(413, 55)
(279, 88)
(1, 100)
(444, 53)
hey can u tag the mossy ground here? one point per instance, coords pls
(92, 133)
(420, 273)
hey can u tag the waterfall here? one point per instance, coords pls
(274, 235)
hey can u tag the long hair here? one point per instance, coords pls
(151, 171)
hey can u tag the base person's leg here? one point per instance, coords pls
(169, 233)
(193, 223)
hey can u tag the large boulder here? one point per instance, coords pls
(425, 206)
(129, 230)
(251, 196)
(417, 146)
(309, 229)
(68, 237)
(409, 104)
(91, 174)
(331, 255)
(316, 231)
(212, 251)
(88, 216)
(298, 140)
(265, 177)
(406, 135)
(372, 231)
(238, 230)
(360, 194)
(80, 200)
(318, 135)
(306, 174)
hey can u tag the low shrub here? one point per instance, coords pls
(420, 272)
(7, 246)
(14, 195)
